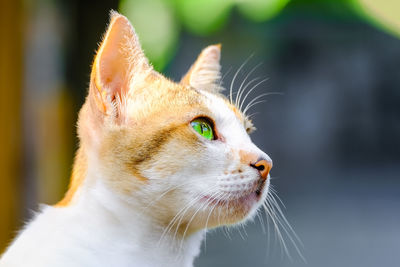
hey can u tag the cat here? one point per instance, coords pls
(159, 162)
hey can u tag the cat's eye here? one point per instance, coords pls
(203, 127)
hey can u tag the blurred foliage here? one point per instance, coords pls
(384, 14)
(157, 27)
(159, 22)
(261, 10)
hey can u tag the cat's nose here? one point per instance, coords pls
(263, 166)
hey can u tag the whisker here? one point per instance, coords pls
(282, 216)
(220, 195)
(251, 82)
(180, 215)
(268, 232)
(234, 77)
(261, 221)
(275, 193)
(255, 99)
(282, 221)
(224, 76)
(240, 233)
(176, 217)
(277, 230)
(191, 219)
(253, 104)
(244, 229)
(169, 189)
(252, 114)
(237, 100)
(258, 97)
(252, 89)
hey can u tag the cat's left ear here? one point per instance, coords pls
(205, 72)
(119, 61)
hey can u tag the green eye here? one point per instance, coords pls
(203, 127)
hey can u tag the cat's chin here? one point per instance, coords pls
(247, 200)
(234, 210)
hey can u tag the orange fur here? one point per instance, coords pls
(248, 157)
(77, 178)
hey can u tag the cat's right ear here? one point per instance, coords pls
(118, 61)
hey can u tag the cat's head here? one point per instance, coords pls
(179, 150)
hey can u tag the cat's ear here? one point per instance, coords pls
(205, 73)
(118, 61)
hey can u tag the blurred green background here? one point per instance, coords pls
(334, 133)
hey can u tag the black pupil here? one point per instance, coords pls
(203, 128)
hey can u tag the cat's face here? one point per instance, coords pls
(179, 150)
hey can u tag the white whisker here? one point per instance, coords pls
(261, 221)
(275, 213)
(252, 114)
(234, 77)
(272, 215)
(251, 89)
(219, 196)
(253, 104)
(237, 100)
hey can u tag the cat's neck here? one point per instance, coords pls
(132, 233)
(110, 221)
(94, 227)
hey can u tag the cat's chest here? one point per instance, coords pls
(61, 239)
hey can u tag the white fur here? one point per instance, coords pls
(97, 230)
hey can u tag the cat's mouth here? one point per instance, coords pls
(246, 199)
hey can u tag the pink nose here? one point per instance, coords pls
(263, 166)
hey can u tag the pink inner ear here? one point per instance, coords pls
(119, 61)
(113, 63)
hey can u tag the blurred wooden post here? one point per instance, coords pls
(11, 71)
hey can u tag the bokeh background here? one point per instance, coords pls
(333, 131)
